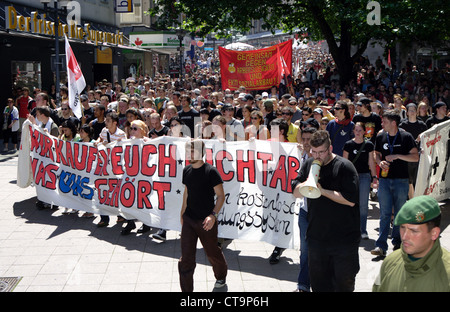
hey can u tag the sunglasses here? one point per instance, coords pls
(338, 108)
(254, 118)
(134, 128)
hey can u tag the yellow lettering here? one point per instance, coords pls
(80, 33)
(41, 23)
(11, 18)
(34, 28)
(50, 28)
(27, 21)
(37, 23)
(21, 22)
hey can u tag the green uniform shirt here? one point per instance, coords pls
(399, 273)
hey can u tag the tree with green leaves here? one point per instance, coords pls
(342, 23)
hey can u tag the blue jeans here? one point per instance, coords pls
(392, 194)
(364, 190)
(303, 275)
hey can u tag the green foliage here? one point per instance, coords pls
(342, 23)
(424, 21)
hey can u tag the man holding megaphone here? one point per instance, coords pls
(331, 185)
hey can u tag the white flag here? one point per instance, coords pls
(76, 82)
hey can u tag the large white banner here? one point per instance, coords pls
(433, 177)
(142, 180)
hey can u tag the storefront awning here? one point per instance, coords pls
(165, 51)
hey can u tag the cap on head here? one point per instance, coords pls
(418, 210)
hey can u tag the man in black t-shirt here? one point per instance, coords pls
(333, 232)
(199, 216)
(414, 126)
(371, 121)
(158, 129)
(98, 123)
(187, 114)
(440, 115)
(411, 124)
(394, 148)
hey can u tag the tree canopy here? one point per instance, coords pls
(342, 23)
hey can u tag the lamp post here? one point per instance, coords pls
(180, 34)
(56, 12)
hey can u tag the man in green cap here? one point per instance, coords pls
(421, 264)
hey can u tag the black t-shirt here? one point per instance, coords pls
(329, 221)
(372, 124)
(415, 128)
(402, 144)
(164, 131)
(89, 114)
(200, 183)
(213, 113)
(362, 163)
(53, 115)
(97, 127)
(268, 118)
(189, 119)
(434, 121)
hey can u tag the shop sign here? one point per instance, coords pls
(159, 40)
(123, 6)
(37, 24)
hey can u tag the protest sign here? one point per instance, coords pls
(142, 180)
(257, 69)
(433, 175)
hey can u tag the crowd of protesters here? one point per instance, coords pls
(354, 114)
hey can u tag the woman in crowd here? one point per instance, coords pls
(257, 129)
(86, 136)
(341, 128)
(422, 112)
(138, 130)
(323, 123)
(360, 152)
(134, 103)
(177, 127)
(132, 114)
(246, 111)
(146, 116)
(10, 125)
(65, 113)
(69, 133)
(306, 113)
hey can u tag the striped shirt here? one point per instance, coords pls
(119, 134)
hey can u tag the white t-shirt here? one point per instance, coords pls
(14, 116)
(119, 134)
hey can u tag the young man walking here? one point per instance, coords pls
(199, 217)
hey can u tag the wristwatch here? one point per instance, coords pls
(215, 214)
(374, 177)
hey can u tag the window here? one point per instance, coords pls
(26, 74)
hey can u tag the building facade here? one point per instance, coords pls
(27, 43)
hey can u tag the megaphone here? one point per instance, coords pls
(310, 189)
